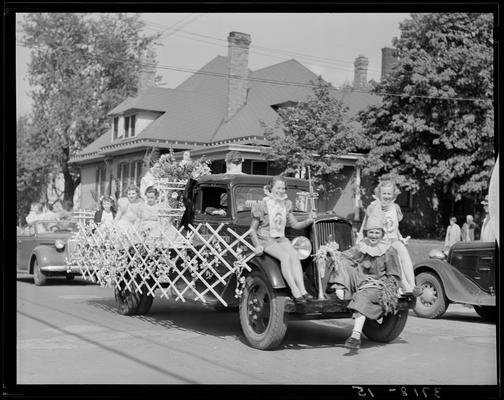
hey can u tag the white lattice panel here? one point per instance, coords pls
(179, 265)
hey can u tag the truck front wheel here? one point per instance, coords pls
(262, 315)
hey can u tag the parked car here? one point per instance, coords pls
(42, 249)
(466, 275)
(266, 304)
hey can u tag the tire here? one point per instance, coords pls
(391, 327)
(262, 315)
(487, 312)
(127, 302)
(38, 276)
(145, 303)
(432, 303)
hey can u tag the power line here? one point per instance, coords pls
(282, 83)
(183, 25)
(310, 58)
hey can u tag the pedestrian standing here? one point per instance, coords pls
(453, 235)
(468, 229)
(487, 229)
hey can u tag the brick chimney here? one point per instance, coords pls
(147, 75)
(388, 61)
(360, 72)
(238, 49)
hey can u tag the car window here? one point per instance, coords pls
(211, 198)
(25, 230)
(54, 226)
(246, 197)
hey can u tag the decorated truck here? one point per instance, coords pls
(211, 259)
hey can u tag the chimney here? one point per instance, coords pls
(238, 49)
(147, 75)
(389, 60)
(360, 72)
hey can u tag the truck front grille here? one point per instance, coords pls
(333, 230)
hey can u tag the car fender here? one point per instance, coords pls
(458, 288)
(48, 256)
(270, 267)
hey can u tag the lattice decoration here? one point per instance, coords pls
(178, 264)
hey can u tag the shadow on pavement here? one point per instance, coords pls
(204, 320)
(56, 281)
(468, 315)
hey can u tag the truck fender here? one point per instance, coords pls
(458, 288)
(270, 267)
(47, 256)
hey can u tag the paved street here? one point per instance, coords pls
(71, 333)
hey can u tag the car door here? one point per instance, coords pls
(25, 246)
(477, 264)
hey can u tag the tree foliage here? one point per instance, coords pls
(82, 65)
(313, 134)
(32, 168)
(440, 132)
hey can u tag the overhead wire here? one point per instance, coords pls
(282, 82)
(330, 63)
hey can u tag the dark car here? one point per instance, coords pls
(466, 276)
(266, 304)
(42, 249)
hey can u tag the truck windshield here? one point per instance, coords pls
(246, 197)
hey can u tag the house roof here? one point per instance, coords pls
(195, 111)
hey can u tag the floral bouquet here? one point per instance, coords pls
(170, 175)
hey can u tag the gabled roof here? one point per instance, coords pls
(195, 111)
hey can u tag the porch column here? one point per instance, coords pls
(357, 193)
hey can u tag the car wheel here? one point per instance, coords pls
(127, 301)
(432, 303)
(487, 312)
(38, 276)
(390, 327)
(262, 315)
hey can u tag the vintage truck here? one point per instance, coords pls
(213, 262)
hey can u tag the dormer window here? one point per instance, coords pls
(129, 126)
(116, 127)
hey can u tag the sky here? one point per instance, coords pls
(326, 43)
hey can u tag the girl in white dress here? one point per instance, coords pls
(128, 209)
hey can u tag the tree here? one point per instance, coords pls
(32, 168)
(435, 127)
(82, 65)
(313, 134)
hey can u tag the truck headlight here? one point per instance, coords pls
(303, 247)
(60, 244)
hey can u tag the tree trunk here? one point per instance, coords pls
(70, 182)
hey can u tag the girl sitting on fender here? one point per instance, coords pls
(269, 218)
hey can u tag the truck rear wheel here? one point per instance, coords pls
(262, 315)
(390, 327)
(127, 301)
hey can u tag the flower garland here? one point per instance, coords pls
(326, 255)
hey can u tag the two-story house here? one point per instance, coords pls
(222, 107)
